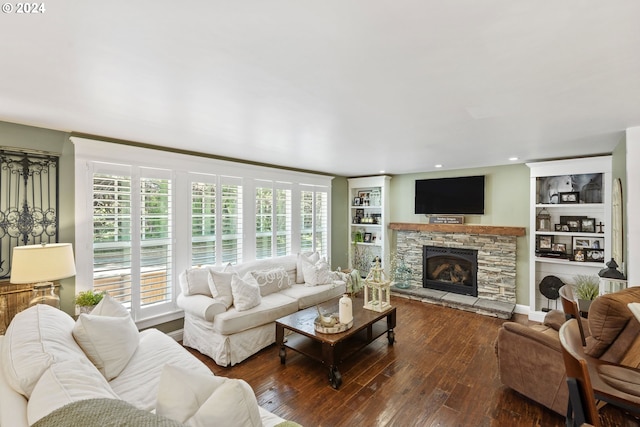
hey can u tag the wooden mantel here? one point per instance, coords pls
(460, 228)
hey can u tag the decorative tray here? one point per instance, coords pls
(330, 324)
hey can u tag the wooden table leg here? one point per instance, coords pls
(280, 343)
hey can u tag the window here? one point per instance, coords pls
(273, 221)
(139, 223)
(132, 236)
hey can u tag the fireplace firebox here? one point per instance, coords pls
(450, 269)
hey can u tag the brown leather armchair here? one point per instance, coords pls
(530, 359)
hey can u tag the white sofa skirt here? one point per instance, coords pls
(226, 350)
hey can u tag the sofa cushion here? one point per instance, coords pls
(138, 382)
(109, 342)
(316, 274)
(232, 404)
(195, 280)
(273, 280)
(308, 296)
(609, 317)
(37, 338)
(312, 257)
(66, 382)
(220, 286)
(181, 392)
(246, 292)
(621, 378)
(271, 307)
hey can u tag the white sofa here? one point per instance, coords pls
(217, 325)
(51, 363)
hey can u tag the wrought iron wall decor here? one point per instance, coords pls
(28, 202)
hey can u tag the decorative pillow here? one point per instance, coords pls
(109, 306)
(195, 280)
(246, 294)
(64, 383)
(316, 274)
(36, 338)
(312, 257)
(109, 342)
(182, 391)
(231, 404)
(271, 281)
(220, 286)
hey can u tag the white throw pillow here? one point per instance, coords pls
(182, 391)
(36, 338)
(109, 306)
(220, 286)
(312, 257)
(109, 342)
(195, 280)
(316, 274)
(64, 383)
(272, 280)
(246, 293)
(231, 404)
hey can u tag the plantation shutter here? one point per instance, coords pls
(231, 220)
(203, 223)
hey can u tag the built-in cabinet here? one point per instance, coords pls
(570, 223)
(369, 221)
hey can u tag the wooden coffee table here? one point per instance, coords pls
(331, 349)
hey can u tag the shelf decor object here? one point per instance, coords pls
(41, 265)
(377, 289)
(611, 279)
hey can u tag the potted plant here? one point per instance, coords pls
(87, 300)
(586, 289)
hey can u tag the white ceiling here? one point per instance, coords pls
(344, 87)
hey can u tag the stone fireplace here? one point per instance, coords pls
(494, 250)
(450, 269)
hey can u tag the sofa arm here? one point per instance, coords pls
(201, 305)
(550, 340)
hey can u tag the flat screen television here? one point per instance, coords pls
(450, 196)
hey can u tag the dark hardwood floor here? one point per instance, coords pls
(441, 371)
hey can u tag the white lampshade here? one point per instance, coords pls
(42, 263)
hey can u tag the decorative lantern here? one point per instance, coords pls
(591, 192)
(377, 289)
(611, 279)
(543, 220)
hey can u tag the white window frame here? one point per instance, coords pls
(184, 169)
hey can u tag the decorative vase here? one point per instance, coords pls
(345, 309)
(86, 309)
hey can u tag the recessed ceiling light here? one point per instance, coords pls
(438, 165)
(381, 171)
(513, 159)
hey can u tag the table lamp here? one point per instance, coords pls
(41, 265)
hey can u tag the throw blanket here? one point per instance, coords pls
(111, 413)
(353, 280)
(103, 413)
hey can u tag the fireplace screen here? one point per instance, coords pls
(450, 270)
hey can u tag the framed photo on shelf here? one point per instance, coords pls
(594, 255)
(367, 237)
(588, 243)
(573, 225)
(588, 225)
(545, 243)
(578, 255)
(559, 247)
(569, 197)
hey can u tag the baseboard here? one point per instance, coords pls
(521, 309)
(176, 335)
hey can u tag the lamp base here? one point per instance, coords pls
(43, 294)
